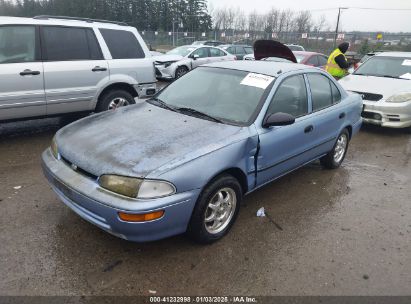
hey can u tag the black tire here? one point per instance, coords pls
(329, 161)
(105, 101)
(181, 70)
(197, 230)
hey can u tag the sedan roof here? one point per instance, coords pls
(259, 67)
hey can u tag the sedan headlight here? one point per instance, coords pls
(136, 187)
(166, 64)
(402, 97)
(54, 148)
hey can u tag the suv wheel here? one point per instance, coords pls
(216, 210)
(336, 156)
(114, 99)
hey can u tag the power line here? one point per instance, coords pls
(362, 8)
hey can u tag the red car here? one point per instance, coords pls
(311, 58)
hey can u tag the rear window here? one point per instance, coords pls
(122, 44)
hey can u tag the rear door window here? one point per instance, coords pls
(320, 91)
(66, 43)
(336, 93)
(17, 44)
(122, 44)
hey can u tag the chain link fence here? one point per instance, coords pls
(322, 42)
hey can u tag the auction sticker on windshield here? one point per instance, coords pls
(257, 80)
(407, 62)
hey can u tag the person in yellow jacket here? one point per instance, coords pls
(337, 64)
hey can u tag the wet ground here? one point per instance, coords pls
(342, 232)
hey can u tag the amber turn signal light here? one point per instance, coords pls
(138, 218)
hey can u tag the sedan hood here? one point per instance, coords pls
(167, 58)
(376, 85)
(138, 139)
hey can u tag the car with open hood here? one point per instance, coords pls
(183, 160)
(180, 60)
(384, 82)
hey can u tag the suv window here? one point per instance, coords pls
(122, 44)
(17, 44)
(291, 97)
(69, 43)
(201, 52)
(320, 91)
(249, 50)
(239, 50)
(216, 52)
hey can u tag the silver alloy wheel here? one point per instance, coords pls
(340, 148)
(220, 210)
(117, 103)
(180, 72)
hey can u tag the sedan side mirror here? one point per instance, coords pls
(196, 56)
(278, 119)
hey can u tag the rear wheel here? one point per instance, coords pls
(114, 99)
(216, 210)
(336, 156)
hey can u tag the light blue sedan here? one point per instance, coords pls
(182, 161)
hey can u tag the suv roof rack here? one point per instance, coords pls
(89, 20)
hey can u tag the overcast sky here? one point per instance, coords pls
(352, 19)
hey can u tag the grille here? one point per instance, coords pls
(369, 96)
(78, 169)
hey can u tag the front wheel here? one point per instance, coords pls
(336, 156)
(182, 70)
(216, 210)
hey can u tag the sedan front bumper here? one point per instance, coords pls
(101, 207)
(163, 72)
(387, 114)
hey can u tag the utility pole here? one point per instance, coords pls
(338, 23)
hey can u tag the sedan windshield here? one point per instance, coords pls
(182, 50)
(229, 96)
(383, 66)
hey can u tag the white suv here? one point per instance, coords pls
(56, 65)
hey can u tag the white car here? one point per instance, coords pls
(384, 82)
(180, 60)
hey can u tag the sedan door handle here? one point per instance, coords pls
(308, 129)
(342, 115)
(29, 72)
(99, 69)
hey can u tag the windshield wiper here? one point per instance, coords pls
(162, 104)
(198, 113)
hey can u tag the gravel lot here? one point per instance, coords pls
(342, 232)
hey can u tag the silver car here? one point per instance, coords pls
(180, 60)
(52, 66)
(384, 82)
